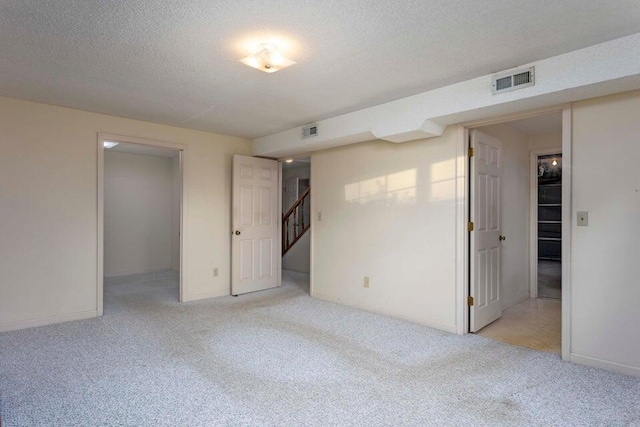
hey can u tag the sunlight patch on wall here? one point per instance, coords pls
(443, 181)
(393, 189)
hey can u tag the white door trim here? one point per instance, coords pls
(533, 216)
(462, 240)
(462, 218)
(567, 226)
(313, 224)
(100, 207)
(514, 116)
(279, 238)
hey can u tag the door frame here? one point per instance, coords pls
(182, 161)
(533, 216)
(312, 220)
(462, 217)
(279, 232)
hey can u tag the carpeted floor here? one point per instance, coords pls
(282, 358)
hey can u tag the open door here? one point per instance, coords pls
(255, 247)
(486, 230)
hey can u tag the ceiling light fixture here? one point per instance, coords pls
(267, 59)
(109, 144)
(554, 163)
(289, 160)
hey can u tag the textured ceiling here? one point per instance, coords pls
(176, 61)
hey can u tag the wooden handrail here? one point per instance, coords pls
(300, 223)
(297, 203)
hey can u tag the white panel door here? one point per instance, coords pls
(486, 237)
(255, 245)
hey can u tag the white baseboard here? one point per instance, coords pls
(605, 364)
(134, 272)
(421, 321)
(187, 297)
(23, 324)
(516, 300)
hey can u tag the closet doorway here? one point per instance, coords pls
(547, 281)
(515, 237)
(141, 219)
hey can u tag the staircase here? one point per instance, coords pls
(296, 221)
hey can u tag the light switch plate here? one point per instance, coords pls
(583, 219)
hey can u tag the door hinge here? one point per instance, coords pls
(470, 226)
(471, 152)
(470, 301)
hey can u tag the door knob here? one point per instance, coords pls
(237, 232)
(502, 238)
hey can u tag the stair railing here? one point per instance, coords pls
(296, 221)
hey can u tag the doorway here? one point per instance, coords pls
(547, 224)
(271, 220)
(296, 222)
(141, 194)
(515, 231)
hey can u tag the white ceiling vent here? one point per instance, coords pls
(505, 82)
(309, 131)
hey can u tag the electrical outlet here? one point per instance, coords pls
(215, 272)
(583, 219)
(319, 216)
(366, 281)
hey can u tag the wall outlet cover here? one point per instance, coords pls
(583, 219)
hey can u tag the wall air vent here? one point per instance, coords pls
(505, 82)
(309, 131)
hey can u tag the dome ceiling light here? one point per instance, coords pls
(267, 59)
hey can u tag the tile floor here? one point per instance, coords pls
(533, 323)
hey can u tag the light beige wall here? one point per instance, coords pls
(298, 258)
(302, 172)
(605, 270)
(48, 171)
(547, 140)
(388, 212)
(515, 213)
(137, 213)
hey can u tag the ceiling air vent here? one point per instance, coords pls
(505, 82)
(309, 131)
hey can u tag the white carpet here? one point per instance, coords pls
(280, 357)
